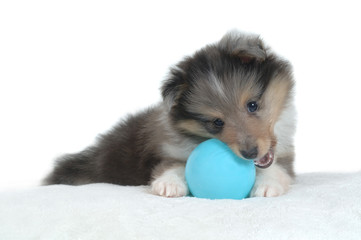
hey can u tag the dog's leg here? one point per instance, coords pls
(271, 182)
(169, 180)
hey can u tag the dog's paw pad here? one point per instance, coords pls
(169, 187)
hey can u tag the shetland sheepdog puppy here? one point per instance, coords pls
(236, 90)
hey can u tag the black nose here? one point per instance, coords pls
(250, 154)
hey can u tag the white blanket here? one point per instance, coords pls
(319, 206)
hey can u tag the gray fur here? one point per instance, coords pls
(243, 45)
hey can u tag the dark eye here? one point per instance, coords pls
(252, 106)
(218, 122)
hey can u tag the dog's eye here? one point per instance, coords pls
(218, 122)
(252, 106)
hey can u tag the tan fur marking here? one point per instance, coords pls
(229, 136)
(210, 112)
(193, 126)
(246, 94)
(275, 97)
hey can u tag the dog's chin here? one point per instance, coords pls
(266, 160)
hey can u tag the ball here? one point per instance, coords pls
(213, 171)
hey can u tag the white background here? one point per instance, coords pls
(69, 70)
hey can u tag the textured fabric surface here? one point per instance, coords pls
(319, 206)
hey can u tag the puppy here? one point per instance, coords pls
(236, 90)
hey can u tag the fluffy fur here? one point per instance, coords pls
(207, 95)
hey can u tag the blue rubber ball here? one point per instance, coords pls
(213, 171)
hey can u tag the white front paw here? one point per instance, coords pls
(268, 189)
(168, 186)
(271, 182)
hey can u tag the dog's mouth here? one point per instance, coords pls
(266, 160)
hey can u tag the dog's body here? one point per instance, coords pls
(236, 90)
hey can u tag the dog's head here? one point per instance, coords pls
(234, 90)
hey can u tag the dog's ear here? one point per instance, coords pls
(173, 86)
(245, 46)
